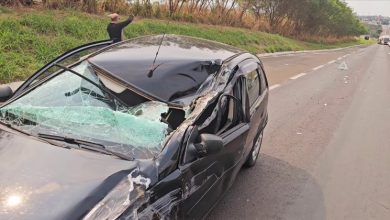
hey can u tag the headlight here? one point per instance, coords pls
(129, 194)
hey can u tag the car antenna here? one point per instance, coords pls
(153, 67)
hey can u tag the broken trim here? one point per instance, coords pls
(126, 197)
(221, 80)
(134, 88)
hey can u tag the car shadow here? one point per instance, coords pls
(273, 189)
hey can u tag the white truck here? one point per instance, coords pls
(384, 40)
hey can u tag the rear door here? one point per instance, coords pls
(257, 93)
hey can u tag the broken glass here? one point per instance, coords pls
(69, 105)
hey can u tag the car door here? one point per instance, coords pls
(262, 103)
(257, 93)
(206, 178)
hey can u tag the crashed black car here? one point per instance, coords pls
(155, 127)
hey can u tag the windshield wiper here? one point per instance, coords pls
(8, 125)
(92, 82)
(85, 145)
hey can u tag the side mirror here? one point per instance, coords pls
(209, 144)
(5, 93)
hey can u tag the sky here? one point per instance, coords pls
(370, 7)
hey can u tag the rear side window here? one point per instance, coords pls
(263, 81)
(253, 86)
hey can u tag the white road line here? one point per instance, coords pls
(333, 61)
(297, 76)
(274, 86)
(318, 67)
(340, 58)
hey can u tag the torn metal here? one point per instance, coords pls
(129, 194)
(207, 94)
(164, 208)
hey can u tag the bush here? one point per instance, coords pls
(118, 6)
(16, 2)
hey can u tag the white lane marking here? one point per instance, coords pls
(343, 66)
(318, 67)
(274, 86)
(297, 76)
(340, 58)
(332, 61)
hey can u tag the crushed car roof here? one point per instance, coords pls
(182, 64)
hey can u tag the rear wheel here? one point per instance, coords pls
(254, 154)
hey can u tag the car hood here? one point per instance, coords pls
(42, 181)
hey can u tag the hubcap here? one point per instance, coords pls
(256, 148)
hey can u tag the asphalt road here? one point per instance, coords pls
(326, 150)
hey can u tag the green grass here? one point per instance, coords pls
(29, 39)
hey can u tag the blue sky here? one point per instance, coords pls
(370, 7)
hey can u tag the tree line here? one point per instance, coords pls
(299, 18)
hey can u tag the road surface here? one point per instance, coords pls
(326, 150)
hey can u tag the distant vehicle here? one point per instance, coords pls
(125, 134)
(384, 40)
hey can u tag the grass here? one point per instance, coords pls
(29, 39)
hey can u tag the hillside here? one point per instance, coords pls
(30, 38)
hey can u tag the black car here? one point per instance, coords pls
(150, 128)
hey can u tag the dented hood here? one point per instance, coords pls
(42, 181)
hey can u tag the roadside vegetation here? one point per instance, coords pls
(301, 19)
(29, 38)
(374, 30)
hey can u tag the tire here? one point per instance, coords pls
(254, 154)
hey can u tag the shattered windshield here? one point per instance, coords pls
(71, 106)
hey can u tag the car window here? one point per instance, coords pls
(229, 113)
(253, 86)
(263, 81)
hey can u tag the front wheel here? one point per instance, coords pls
(254, 154)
